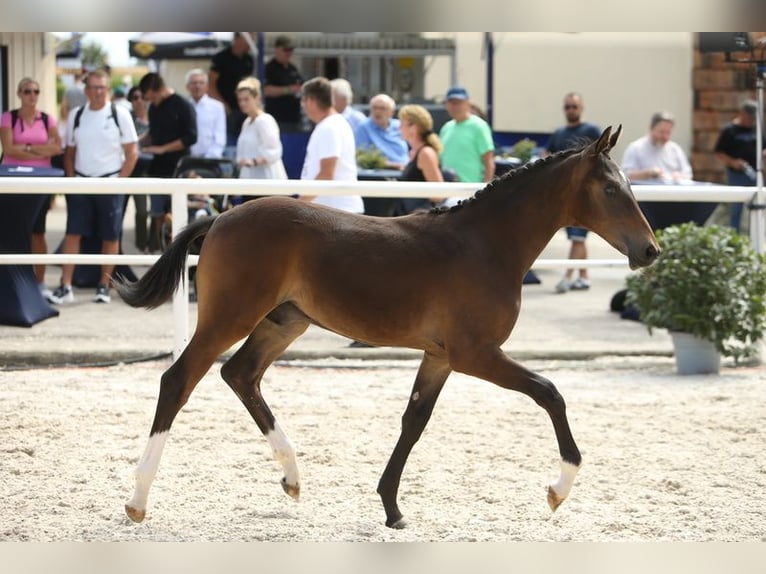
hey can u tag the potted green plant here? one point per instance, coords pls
(708, 284)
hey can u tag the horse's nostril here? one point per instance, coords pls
(652, 252)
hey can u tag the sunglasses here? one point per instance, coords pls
(29, 91)
(571, 107)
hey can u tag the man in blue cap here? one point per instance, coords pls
(467, 140)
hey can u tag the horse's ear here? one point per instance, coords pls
(615, 137)
(603, 144)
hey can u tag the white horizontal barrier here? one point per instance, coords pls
(180, 188)
(211, 186)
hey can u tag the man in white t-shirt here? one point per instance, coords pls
(331, 151)
(101, 142)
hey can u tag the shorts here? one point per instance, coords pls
(95, 215)
(576, 233)
(159, 205)
(42, 215)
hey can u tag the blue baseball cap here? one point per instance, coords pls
(457, 93)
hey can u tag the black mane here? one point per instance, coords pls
(529, 167)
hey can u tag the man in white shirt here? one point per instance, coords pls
(331, 151)
(211, 117)
(655, 157)
(101, 142)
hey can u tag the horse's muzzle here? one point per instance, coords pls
(645, 257)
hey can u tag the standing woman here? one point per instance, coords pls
(30, 138)
(259, 147)
(139, 110)
(416, 125)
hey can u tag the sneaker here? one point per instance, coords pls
(563, 286)
(102, 294)
(62, 294)
(45, 292)
(581, 284)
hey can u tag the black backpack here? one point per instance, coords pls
(78, 115)
(15, 119)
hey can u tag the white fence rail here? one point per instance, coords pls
(179, 189)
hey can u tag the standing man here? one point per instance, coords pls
(655, 156)
(575, 133)
(467, 140)
(736, 148)
(331, 153)
(101, 142)
(227, 68)
(381, 131)
(211, 117)
(282, 86)
(172, 132)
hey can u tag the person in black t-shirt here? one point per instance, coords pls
(227, 68)
(736, 148)
(172, 132)
(283, 86)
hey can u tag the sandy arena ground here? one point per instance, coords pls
(666, 458)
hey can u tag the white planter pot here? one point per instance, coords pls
(695, 356)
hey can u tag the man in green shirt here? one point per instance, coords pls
(467, 140)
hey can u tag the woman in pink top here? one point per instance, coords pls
(30, 138)
(33, 138)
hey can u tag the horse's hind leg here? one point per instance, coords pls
(177, 383)
(429, 382)
(495, 366)
(243, 373)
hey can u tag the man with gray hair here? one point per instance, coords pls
(381, 131)
(342, 96)
(211, 116)
(654, 157)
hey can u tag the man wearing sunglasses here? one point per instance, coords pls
(575, 133)
(101, 141)
(282, 86)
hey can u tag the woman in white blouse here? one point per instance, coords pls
(259, 148)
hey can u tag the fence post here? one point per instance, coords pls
(179, 211)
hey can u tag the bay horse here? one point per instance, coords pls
(447, 282)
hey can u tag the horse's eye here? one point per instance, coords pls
(610, 189)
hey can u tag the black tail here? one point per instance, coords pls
(160, 282)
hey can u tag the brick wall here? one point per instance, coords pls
(719, 87)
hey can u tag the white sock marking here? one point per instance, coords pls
(564, 484)
(147, 469)
(284, 453)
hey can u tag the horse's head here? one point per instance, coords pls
(606, 204)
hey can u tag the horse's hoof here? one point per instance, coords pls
(292, 490)
(398, 525)
(554, 500)
(135, 514)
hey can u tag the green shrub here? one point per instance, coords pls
(709, 282)
(523, 149)
(370, 158)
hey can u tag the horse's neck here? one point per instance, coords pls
(522, 213)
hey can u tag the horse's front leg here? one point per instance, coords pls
(493, 365)
(431, 377)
